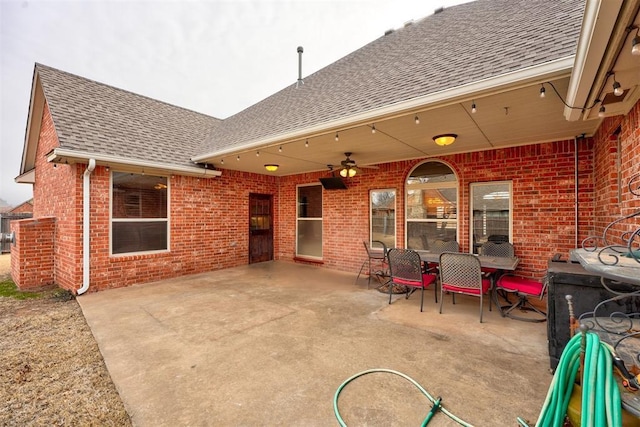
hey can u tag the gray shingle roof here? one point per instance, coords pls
(460, 45)
(96, 118)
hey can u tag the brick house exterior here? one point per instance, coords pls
(208, 216)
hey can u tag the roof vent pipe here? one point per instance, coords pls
(300, 82)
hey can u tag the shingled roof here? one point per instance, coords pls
(92, 117)
(456, 46)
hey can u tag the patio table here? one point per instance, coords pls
(494, 262)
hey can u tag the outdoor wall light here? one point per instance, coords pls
(635, 44)
(445, 139)
(271, 167)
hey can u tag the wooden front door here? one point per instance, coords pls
(260, 228)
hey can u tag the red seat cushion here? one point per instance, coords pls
(427, 279)
(520, 284)
(486, 284)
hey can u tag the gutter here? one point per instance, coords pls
(503, 83)
(592, 59)
(86, 214)
(128, 164)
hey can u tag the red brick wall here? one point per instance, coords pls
(32, 254)
(209, 217)
(543, 202)
(57, 192)
(209, 229)
(611, 181)
(26, 207)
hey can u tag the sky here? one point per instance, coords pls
(214, 57)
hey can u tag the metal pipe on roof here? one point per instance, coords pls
(300, 82)
(86, 215)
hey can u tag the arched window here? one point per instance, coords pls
(432, 205)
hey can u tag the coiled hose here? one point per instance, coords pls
(435, 401)
(600, 394)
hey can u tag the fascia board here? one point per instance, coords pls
(131, 164)
(597, 24)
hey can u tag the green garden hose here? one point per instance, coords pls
(600, 394)
(435, 401)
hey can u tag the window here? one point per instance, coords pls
(432, 205)
(309, 222)
(139, 220)
(383, 217)
(490, 213)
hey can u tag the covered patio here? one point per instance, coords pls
(270, 343)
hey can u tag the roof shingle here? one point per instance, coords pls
(92, 117)
(457, 46)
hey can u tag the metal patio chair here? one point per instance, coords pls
(522, 288)
(460, 273)
(405, 268)
(377, 256)
(437, 247)
(495, 249)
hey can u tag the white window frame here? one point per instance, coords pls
(473, 186)
(395, 208)
(167, 220)
(298, 219)
(428, 186)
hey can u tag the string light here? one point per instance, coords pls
(617, 89)
(373, 128)
(337, 138)
(601, 111)
(222, 162)
(306, 143)
(635, 43)
(473, 107)
(280, 149)
(542, 91)
(417, 119)
(257, 154)
(238, 158)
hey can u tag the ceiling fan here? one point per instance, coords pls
(350, 168)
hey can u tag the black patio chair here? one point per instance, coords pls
(522, 288)
(405, 267)
(460, 273)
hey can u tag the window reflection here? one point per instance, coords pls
(432, 205)
(383, 217)
(490, 212)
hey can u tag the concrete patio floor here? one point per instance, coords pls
(269, 344)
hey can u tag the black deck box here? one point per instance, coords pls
(586, 289)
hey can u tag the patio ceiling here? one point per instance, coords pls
(513, 117)
(510, 111)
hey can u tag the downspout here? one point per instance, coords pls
(86, 214)
(577, 193)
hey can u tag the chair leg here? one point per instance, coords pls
(481, 306)
(360, 272)
(441, 298)
(524, 304)
(421, 299)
